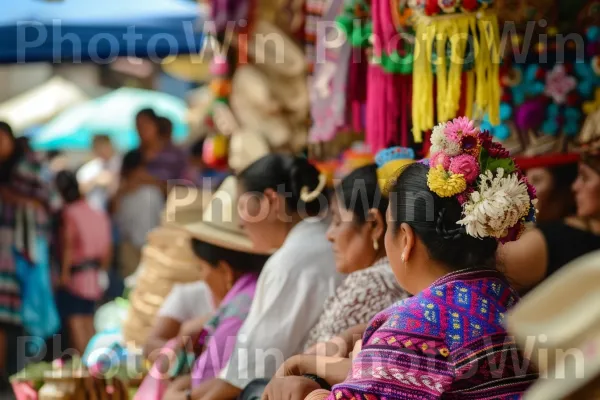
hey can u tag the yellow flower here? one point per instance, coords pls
(445, 184)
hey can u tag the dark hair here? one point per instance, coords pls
(7, 166)
(563, 176)
(52, 154)
(66, 183)
(165, 127)
(359, 192)
(147, 112)
(197, 148)
(434, 218)
(240, 261)
(132, 160)
(287, 175)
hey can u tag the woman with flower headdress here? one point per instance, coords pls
(444, 226)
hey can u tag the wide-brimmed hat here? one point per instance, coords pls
(245, 147)
(220, 224)
(274, 51)
(558, 327)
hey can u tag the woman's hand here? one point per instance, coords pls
(178, 389)
(289, 388)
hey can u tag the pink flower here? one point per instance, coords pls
(464, 196)
(530, 188)
(439, 158)
(559, 84)
(458, 127)
(466, 165)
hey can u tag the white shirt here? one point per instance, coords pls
(290, 295)
(188, 301)
(98, 197)
(139, 212)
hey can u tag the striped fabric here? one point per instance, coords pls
(447, 342)
(24, 180)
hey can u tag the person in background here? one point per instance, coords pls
(85, 251)
(199, 173)
(137, 208)
(163, 160)
(544, 250)
(553, 183)
(99, 178)
(21, 189)
(288, 193)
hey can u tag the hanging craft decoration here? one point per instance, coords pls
(447, 28)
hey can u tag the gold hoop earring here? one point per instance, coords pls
(375, 245)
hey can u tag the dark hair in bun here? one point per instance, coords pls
(287, 175)
(434, 220)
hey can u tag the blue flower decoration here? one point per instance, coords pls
(529, 85)
(593, 33)
(571, 116)
(588, 80)
(502, 131)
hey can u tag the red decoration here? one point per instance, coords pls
(432, 8)
(506, 97)
(540, 73)
(470, 5)
(572, 99)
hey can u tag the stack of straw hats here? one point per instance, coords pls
(166, 260)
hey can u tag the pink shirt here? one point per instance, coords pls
(89, 229)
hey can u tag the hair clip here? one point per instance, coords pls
(307, 196)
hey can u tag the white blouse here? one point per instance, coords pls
(290, 295)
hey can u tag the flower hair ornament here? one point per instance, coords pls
(467, 164)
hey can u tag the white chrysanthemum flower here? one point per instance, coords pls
(452, 148)
(497, 205)
(438, 137)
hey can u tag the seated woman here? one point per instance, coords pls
(230, 267)
(356, 232)
(444, 225)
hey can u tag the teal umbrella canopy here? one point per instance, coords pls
(112, 114)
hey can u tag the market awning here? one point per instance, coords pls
(40, 104)
(99, 31)
(113, 115)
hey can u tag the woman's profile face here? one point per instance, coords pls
(587, 192)
(256, 217)
(543, 182)
(351, 243)
(147, 129)
(7, 145)
(216, 278)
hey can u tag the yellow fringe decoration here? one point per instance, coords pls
(483, 87)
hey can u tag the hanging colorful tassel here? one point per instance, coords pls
(446, 36)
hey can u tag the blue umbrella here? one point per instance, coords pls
(99, 31)
(113, 115)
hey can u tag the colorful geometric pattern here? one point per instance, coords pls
(446, 342)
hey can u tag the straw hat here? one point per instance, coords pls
(220, 224)
(274, 51)
(245, 147)
(562, 316)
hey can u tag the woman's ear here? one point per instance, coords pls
(377, 224)
(227, 273)
(407, 241)
(272, 201)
